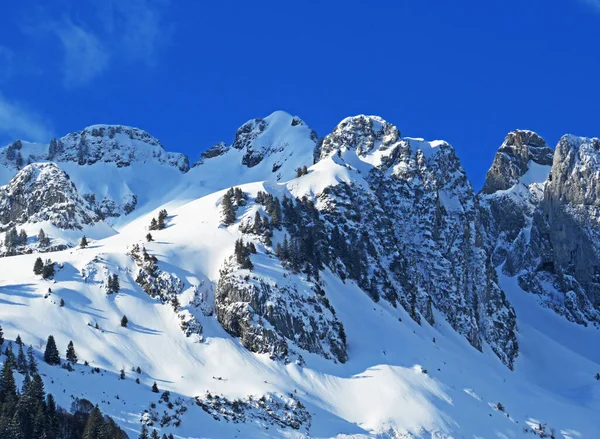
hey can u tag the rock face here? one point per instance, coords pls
(544, 226)
(271, 318)
(415, 222)
(513, 158)
(113, 144)
(43, 192)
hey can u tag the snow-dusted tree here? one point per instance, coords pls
(162, 216)
(144, 432)
(22, 366)
(51, 355)
(38, 266)
(116, 286)
(149, 237)
(48, 269)
(71, 354)
(31, 363)
(84, 242)
(228, 210)
(43, 240)
(22, 237)
(153, 224)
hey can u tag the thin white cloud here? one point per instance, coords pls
(137, 27)
(85, 57)
(16, 121)
(593, 3)
(6, 62)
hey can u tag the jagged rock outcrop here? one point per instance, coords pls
(513, 191)
(513, 158)
(543, 228)
(271, 318)
(271, 147)
(416, 223)
(44, 192)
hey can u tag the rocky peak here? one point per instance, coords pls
(512, 160)
(44, 192)
(364, 134)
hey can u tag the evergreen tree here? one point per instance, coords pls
(62, 302)
(18, 340)
(149, 237)
(31, 363)
(38, 266)
(116, 286)
(43, 240)
(71, 354)
(22, 237)
(10, 356)
(94, 427)
(19, 160)
(144, 432)
(84, 242)
(162, 216)
(8, 388)
(51, 355)
(124, 322)
(1, 336)
(153, 224)
(154, 435)
(155, 387)
(48, 269)
(22, 366)
(228, 210)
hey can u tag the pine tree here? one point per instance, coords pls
(153, 224)
(51, 355)
(18, 340)
(94, 427)
(31, 363)
(84, 242)
(124, 322)
(22, 237)
(38, 266)
(43, 240)
(144, 432)
(8, 388)
(149, 237)
(109, 285)
(122, 375)
(71, 354)
(62, 302)
(228, 210)
(116, 286)
(1, 336)
(22, 366)
(154, 435)
(48, 269)
(155, 387)
(162, 216)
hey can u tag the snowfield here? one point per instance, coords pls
(402, 379)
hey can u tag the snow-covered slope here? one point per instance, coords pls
(355, 299)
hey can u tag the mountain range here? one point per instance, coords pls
(291, 285)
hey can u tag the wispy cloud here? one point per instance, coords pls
(6, 62)
(85, 57)
(593, 3)
(138, 27)
(16, 121)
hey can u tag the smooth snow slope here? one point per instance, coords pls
(382, 391)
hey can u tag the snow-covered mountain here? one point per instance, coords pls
(293, 286)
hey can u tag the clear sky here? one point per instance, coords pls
(190, 72)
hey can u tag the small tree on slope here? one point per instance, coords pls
(51, 355)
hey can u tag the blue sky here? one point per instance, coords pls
(191, 72)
